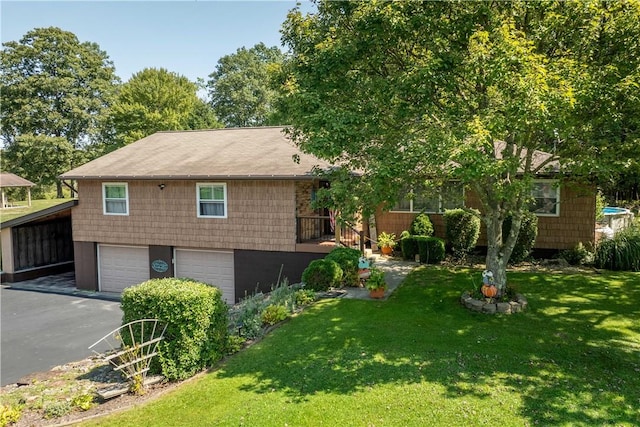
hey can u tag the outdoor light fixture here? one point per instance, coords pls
(161, 186)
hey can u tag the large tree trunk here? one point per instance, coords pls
(498, 248)
(60, 194)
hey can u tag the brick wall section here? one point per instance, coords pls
(576, 222)
(261, 216)
(304, 189)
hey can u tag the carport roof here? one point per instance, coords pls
(39, 214)
(235, 153)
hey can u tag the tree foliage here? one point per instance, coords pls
(473, 91)
(240, 87)
(55, 90)
(157, 99)
(40, 159)
(54, 85)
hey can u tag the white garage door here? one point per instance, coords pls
(122, 266)
(214, 268)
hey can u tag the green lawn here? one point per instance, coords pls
(421, 359)
(36, 205)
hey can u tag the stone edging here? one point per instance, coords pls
(490, 306)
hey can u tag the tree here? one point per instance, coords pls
(55, 90)
(404, 92)
(154, 100)
(240, 88)
(40, 159)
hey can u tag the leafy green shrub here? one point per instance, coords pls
(347, 259)
(421, 226)
(84, 402)
(234, 343)
(526, 237)
(431, 249)
(9, 414)
(322, 274)
(462, 229)
(304, 297)
(404, 234)
(196, 319)
(576, 256)
(57, 409)
(409, 246)
(273, 314)
(620, 253)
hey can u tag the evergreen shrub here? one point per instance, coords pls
(409, 246)
(196, 319)
(431, 249)
(347, 259)
(526, 237)
(421, 226)
(462, 229)
(322, 274)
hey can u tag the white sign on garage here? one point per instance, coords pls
(212, 267)
(122, 266)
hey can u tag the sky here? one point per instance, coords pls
(186, 37)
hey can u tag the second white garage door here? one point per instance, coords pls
(212, 267)
(122, 266)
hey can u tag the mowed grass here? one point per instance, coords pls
(420, 359)
(23, 209)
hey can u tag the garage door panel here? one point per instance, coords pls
(214, 268)
(122, 266)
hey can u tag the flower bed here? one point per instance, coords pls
(492, 306)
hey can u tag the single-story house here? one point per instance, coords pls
(233, 208)
(230, 207)
(37, 244)
(566, 210)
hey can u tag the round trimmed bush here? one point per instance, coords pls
(431, 249)
(347, 259)
(322, 274)
(421, 226)
(409, 246)
(196, 319)
(462, 229)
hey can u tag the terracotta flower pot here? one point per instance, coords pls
(386, 250)
(377, 293)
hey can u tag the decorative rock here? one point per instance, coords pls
(503, 307)
(515, 307)
(475, 304)
(489, 308)
(522, 301)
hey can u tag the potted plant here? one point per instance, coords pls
(386, 242)
(376, 283)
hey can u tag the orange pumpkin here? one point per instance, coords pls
(489, 291)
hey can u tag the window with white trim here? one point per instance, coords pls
(212, 200)
(115, 198)
(449, 196)
(545, 196)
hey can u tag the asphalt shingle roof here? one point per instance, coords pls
(236, 153)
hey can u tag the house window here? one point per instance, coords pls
(449, 196)
(212, 200)
(546, 198)
(115, 196)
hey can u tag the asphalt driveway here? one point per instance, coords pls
(43, 330)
